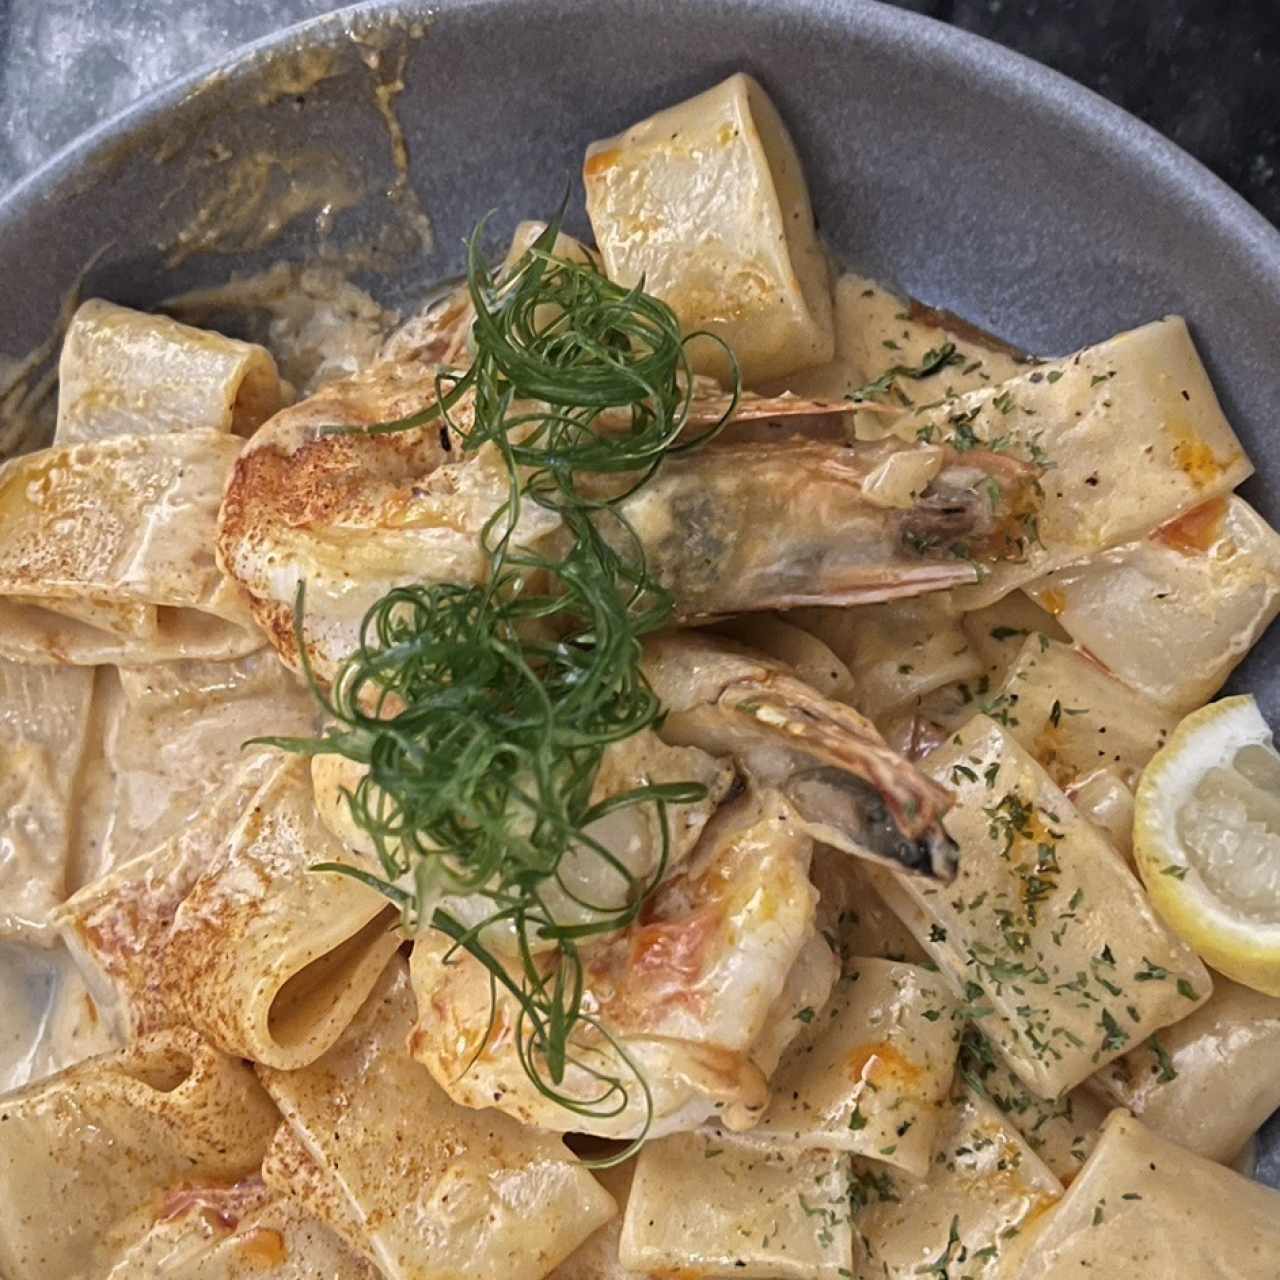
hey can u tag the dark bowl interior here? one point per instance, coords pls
(964, 174)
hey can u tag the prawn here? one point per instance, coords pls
(697, 998)
(734, 527)
(741, 527)
(848, 787)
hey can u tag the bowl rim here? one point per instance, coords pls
(1174, 171)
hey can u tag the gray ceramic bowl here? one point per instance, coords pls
(967, 176)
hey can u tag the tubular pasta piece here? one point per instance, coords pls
(597, 1258)
(1172, 614)
(44, 721)
(106, 553)
(226, 927)
(289, 1170)
(54, 632)
(1044, 929)
(125, 372)
(1061, 1131)
(984, 1186)
(50, 1020)
(806, 991)
(171, 734)
(872, 1071)
(1107, 802)
(1075, 718)
(896, 651)
(236, 1232)
(1209, 1081)
(708, 1204)
(1142, 1206)
(85, 1149)
(706, 201)
(996, 633)
(437, 1191)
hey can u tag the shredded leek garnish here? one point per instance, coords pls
(483, 712)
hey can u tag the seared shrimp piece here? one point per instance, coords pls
(686, 994)
(846, 785)
(300, 484)
(353, 514)
(585, 889)
(733, 528)
(740, 527)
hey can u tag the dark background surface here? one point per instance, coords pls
(1206, 73)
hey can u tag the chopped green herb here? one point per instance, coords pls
(940, 1266)
(999, 707)
(934, 360)
(1009, 819)
(1115, 1035)
(1057, 711)
(965, 438)
(1165, 1070)
(869, 1188)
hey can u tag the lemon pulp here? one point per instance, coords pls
(1230, 827)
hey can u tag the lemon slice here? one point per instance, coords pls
(1206, 838)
